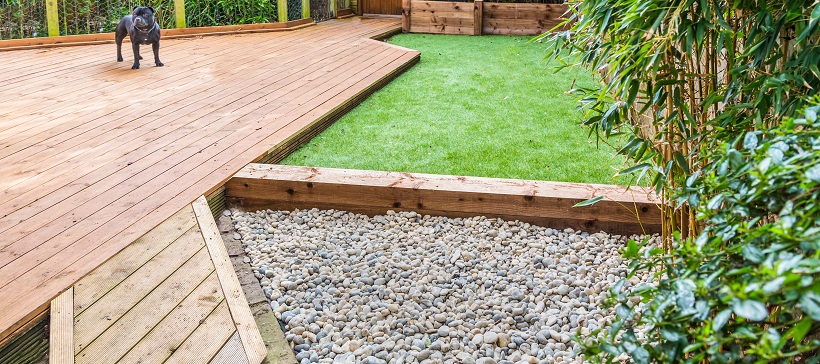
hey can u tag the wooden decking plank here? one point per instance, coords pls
(119, 300)
(61, 329)
(138, 187)
(19, 234)
(86, 115)
(71, 54)
(199, 60)
(49, 82)
(215, 331)
(231, 353)
(79, 158)
(68, 58)
(96, 228)
(63, 126)
(77, 265)
(169, 334)
(237, 305)
(195, 277)
(103, 279)
(77, 109)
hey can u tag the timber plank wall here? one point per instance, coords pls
(281, 187)
(477, 18)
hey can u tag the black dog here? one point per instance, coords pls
(143, 29)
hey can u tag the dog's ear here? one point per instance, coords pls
(152, 10)
(135, 8)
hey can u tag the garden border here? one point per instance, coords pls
(624, 211)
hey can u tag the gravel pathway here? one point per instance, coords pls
(406, 288)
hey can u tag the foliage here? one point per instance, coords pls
(27, 18)
(476, 106)
(200, 13)
(682, 76)
(748, 287)
(22, 18)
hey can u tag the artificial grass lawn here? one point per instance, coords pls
(477, 106)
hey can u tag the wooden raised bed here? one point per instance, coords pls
(441, 17)
(265, 186)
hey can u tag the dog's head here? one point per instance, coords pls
(143, 17)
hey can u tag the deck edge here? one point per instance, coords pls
(237, 304)
(61, 333)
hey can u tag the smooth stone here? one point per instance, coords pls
(490, 337)
(478, 339)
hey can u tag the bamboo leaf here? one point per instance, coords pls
(589, 202)
(801, 329)
(681, 161)
(633, 169)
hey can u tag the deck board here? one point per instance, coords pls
(174, 307)
(93, 155)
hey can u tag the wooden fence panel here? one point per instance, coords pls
(440, 17)
(521, 19)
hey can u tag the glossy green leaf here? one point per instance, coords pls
(810, 304)
(813, 173)
(720, 319)
(750, 309)
(750, 141)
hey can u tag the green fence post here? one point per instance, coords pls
(334, 7)
(282, 5)
(179, 10)
(305, 9)
(53, 20)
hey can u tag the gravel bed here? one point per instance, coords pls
(406, 288)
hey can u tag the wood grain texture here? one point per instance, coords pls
(232, 353)
(521, 19)
(406, 11)
(547, 203)
(380, 7)
(237, 304)
(89, 168)
(173, 331)
(120, 334)
(92, 320)
(478, 17)
(103, 279)
(214, 333)
(61, 329)
(442, 17)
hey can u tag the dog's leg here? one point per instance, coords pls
(119, 47)
(155, 46)
(136, 48)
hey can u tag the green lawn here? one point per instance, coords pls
(477, 106)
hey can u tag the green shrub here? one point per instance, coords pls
(700, 89)
(682, 76)
(747, 289)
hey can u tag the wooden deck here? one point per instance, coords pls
(93, 155)
(170, 297)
